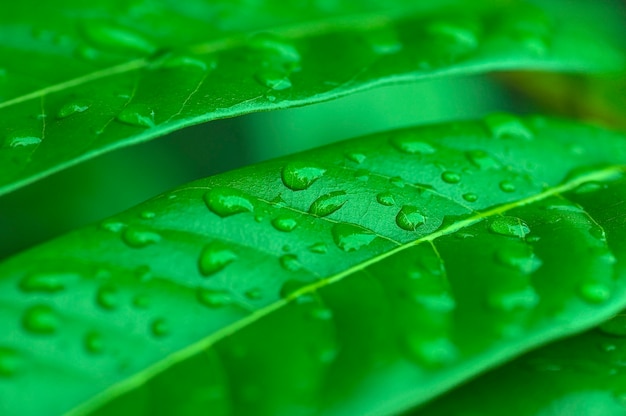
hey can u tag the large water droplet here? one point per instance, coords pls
(285, 224)
(451, 177)
(385, 198)
(595, 292)
(117, 38)
(509, 226)
(520, 257)
(137, 114)
(17, 141)
(40, 319)
(73, 107)
(327, 204)
(410, 218)
(290, 262)
(298, 176)
(107, 297)
(227, 201)
(93, 342)
(138, 237)
(47, 282)
(214, 298)
(159, 327)
(503, 125)
(410, 143)
(214, 257)
(482, 160)
(350, 237)
(10, 362)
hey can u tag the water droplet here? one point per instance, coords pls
(482, 160)
(362, 175)
(327, 204)
(73, 107)
(47, 282)
(608, 347)
(589, 187)
(397, 181)
(275, 79)
(93, 342)
(319, 248)
(470, 197)
(321, 313)
(117, 38)
(503, 125)
(137, 114)
(350, 237)
(147, 215)
(290, 262)
(298, 176)
(159, 327)
(519, 257)
(214, 298)
(510, 301)
(410, 218)
(112, 226)
(410, 143)
(507, 186)
(386, 199)
(509, 226)
(595, 292)
(141, 301)
(451, 177)
(227, 201)
(40, 319)
(137, 237)
(107, 297)
(462, 34)
(182, 61)
(432, 353)
(23, 141)
(214, 257)
(277, 51)
(285, 224)
(356, 157)
(615, 326)
(597, 232)
(10, 362)
(254, 294)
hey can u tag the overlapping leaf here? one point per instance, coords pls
(77, 80)
(367, 276)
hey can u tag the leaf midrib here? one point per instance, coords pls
(144, 376)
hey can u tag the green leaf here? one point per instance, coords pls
(102, 75)
(366, 276)
(580, 375)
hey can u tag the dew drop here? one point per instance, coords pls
(505, 126)
(298, 176)
(137, 237)
(277, 51)
(321, 313)
(275, 79)
(290, 262)
(509, 226)
(451, 177)
(482, 160)
(10, 362)
(214, 257)
(112, 226)
(362, 175)
(147, 215)
(350, 237)
(385, 198)
(182, 61)
(40, 319)
(73, 107)
(410, 218)
(397, 181)
(93, 342)
(284, 224)
(107, 297)
(589, 187)
(470, 197)
(23, 141)
(159, 327)
(410, 144)
(356, 157)
(227, 201)
(117, 38)
(594, 292)
(515, 300)
(47, 282)
(507, 186)
(434, 353)
(461, 34)
(318, 248)
(254, 294)
(214, 298)
(519, 257)
(327, 204)
(137, 114)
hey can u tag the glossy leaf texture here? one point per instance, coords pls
(101, 76)
(366, 276)
(576, 376)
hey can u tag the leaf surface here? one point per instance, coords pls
(101, 76)
(363, 277)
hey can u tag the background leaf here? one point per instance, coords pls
(309, 275)
(106, 77)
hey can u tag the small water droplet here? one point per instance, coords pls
(214, 298)
(432, 353)
(10, 362)
(22, 141)
(509, 226)
(482, 160)
(138, 237)
(159, 327)
(608, 347)
(290, 262)
(356, 157)
(385, 198)
(470, 197)
(275, 79)
(514, 300)
(327, 204)
(350, 237)
(137, 114)
(47, 282)
(594, 292)
(504, 126)
(319, 248)
(147, 215)
(113, 226)
(321, 313)
(214, 257)
(93, 342)
(616, 326)
(254, 294)
(384, 41)
(409, 143)
(285, 224)
(451, 177)
(597, 232)
(397, 181)
(117, 38)
(278, 52)
(507, 186)
(141, 301)
(182, 61)
(227, 201)
(73, 107)
(589, 187)
(298, 176)
(410, 218)
(362, 175)
(107, 297)
(40, 319)
(519, 257)
(462, 34)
